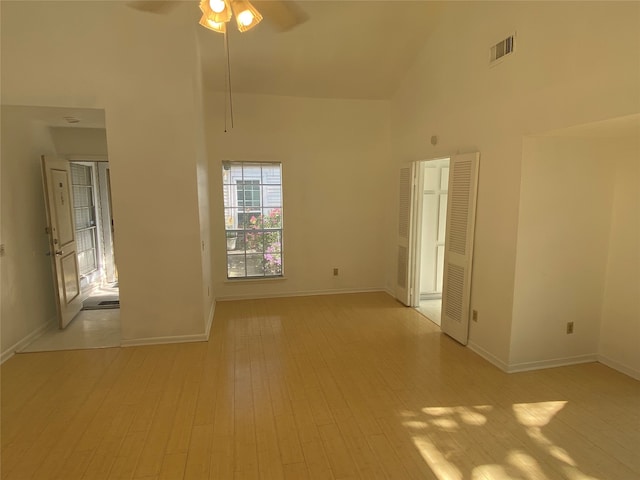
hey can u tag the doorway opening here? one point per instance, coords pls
(430, 217)
(94, 234)
(422, 194)
(81, 234)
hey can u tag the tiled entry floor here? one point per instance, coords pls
(90, 329)
(431, 309)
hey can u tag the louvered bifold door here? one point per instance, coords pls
(461, 212)
(404, 234)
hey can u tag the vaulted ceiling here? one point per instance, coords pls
(346, 49)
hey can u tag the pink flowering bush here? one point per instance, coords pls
(260, 238)
(273, 260)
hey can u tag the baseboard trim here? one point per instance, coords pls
(308, 293)
(200, 337)
(538, 365)
(489, 357)
(555, 362)
(620, 367)
(12, 350)
(140, 342)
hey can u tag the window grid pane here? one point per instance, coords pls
(253, 219)
(85, 218)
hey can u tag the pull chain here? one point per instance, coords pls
(230, 99)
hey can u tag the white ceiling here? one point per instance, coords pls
(60, 116)
(346, 49)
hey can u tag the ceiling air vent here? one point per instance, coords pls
(502, 49)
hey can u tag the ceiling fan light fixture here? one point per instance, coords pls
(247, 16)
(217, 6)
(219, 27)
(221, 14)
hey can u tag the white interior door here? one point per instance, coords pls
(458, 257)
(405, 264)
(112, 269)
(416, 232)
(62, 237)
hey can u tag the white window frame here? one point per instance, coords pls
(92, 226)
(254, 233)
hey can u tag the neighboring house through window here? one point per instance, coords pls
(253, 219)
(248, 200)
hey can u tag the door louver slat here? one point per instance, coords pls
(458, 259)
(455, 292)
(459, 198)
(405, 199)
(402, 267)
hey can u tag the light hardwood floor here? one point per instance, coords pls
(335, 387)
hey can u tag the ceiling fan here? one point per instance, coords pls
(283, 15)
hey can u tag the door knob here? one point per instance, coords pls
(59, 252)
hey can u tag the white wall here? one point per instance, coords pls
(140, 69)
(620, 329)
(204, 204)
(80, 141)
(26, 284)
(336, 183)
(152, 156)
(575, 63)
(563, 239)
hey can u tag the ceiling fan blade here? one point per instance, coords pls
(283, 15)
(153, 6)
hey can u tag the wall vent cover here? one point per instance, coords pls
(503, 48)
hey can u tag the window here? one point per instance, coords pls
(253, 219)
(85, 217)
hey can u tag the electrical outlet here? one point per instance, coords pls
(569, 328)
(474, 315)
(335, 272)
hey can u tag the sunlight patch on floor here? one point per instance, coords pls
(537, 414)
(525, 463)
(436, 460)
(440, 434)
(467, 415)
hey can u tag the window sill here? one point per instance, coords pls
(254, 280)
